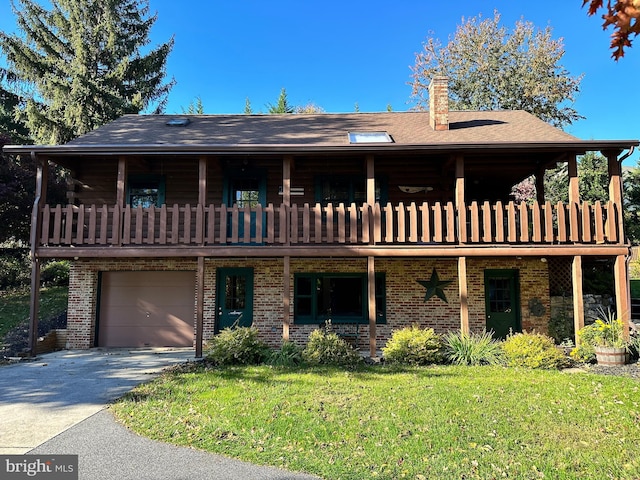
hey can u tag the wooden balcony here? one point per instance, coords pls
(423, 225)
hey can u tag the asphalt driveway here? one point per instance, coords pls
(56, 405)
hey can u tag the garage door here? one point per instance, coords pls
(146, 309)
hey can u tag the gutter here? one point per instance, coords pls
(275, 149)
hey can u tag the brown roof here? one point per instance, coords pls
(406, 128)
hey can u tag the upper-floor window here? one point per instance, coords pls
(337, 189)
(145, 190)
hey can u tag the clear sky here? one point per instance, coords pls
(337, 54)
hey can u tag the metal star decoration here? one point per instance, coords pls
(435, 287)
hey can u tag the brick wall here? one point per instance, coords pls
(405, 296)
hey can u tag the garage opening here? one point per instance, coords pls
(146, 309)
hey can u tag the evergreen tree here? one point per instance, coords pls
(195, 107)
(80, 64)
(282, 106)
(247, 106)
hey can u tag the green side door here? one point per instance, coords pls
(234, 293)
(502, 302)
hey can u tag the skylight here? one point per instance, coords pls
(369, 137)
(178, 122)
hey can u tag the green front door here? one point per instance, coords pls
(234, 298)
(502, 302)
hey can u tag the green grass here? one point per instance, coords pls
(421, 423)
(14, 306)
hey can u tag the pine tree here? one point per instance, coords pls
(282, 106)
(81, 66)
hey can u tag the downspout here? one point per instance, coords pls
(628, 258)
(35, 261)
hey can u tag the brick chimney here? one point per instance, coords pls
(439, 103)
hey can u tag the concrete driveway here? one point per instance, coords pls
(56, 405)
(42, 398)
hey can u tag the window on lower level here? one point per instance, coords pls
(145, 190)
(339, 297)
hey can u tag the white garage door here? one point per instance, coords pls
(147, 309)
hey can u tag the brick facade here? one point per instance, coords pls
(405, 296)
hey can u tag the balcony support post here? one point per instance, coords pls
(623, 297)
(286, 297)
(578, 301)
(199, 306)
(462, 288)
(371, 294)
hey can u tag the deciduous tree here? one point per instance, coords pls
(80, 64)
(490, 68)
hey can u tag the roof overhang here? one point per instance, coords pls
(577, 147)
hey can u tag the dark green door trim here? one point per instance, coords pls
(234, 298)
(502, 301)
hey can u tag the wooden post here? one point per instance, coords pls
(462, 287)
(578, 301)
(121, 182)
(199, 306)
(540, 186)
(623, 298)
(286, 195)
(371, 294)
(42, 172)
(574, 186)
(202, 181)
(371, 180)
(286, 298)
(371, 195)
(459, 199)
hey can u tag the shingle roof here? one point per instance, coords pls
(406, 128)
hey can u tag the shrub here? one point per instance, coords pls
(55, 273)
(15, 269)
(237, 346)
(533, 350)
(414, 346)
(472, 349)
(327, 348)
(289, 355)
(561, 328)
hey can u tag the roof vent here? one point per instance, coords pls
(178, 122)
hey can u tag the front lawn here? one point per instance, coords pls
(421, 423)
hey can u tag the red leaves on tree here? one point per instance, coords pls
(623, 15)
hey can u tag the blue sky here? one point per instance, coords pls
(337, 54)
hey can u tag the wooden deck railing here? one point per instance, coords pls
(424, 224)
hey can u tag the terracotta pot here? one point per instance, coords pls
(611, 355)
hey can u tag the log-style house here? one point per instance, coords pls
(178, 226)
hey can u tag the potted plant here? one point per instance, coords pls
(609, 342)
